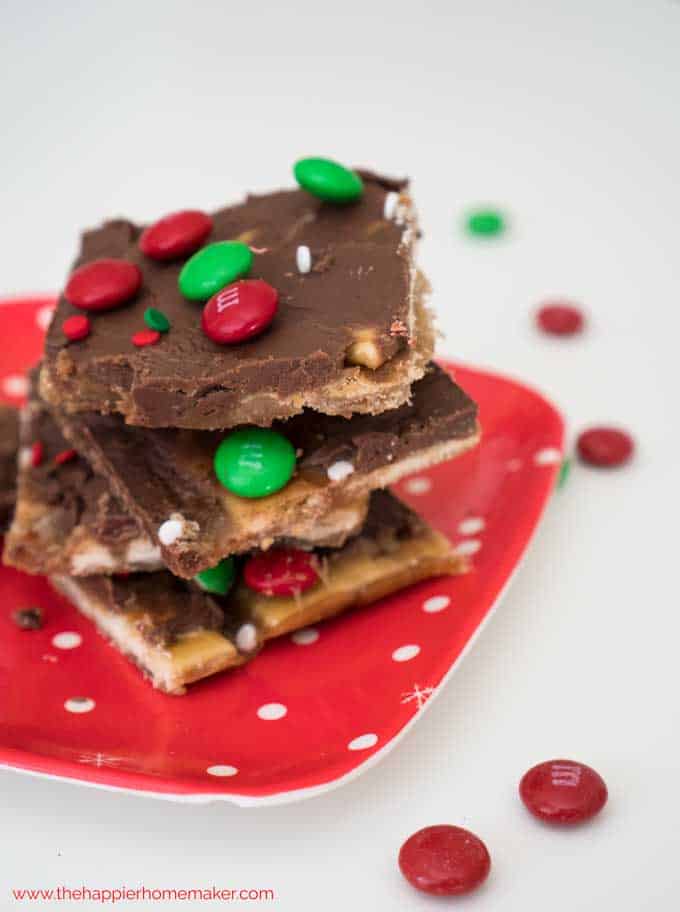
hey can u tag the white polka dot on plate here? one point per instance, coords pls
(406, 653)
(79, 705)
(363, 742)
(43, 318)
(272, 711)
(306, 636)
(547, 456)
(436, 603)
(471, 546)
(418, 485)
(15, 385)
(67, 640)
(471, 526)
(222, 770)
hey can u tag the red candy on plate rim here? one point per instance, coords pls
(606, 447)
(76, 327)
(175, 235)
(103, 284)
(560, 318)
(562, 791)
(240, 311)
(145, 337)
(281, 571)
(444, 860)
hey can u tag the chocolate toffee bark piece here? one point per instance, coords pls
(165, 477)
(345, 339)
(68, 521)
(9, 442)
(178, 634)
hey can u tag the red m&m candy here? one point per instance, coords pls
(145, 337)
(37, 453)
(605, 447)
(281, 571)
(176, 235)
(65, 456)
(562, 791)
(103, 284)
(560, 318)
(240, 311)
(444, 860)
(76, 327)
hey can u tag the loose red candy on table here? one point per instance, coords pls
(145, 337)
(560, 318)
(240, 311)
(605, 447)
(103, 284)
(444, 860)
(76, 327)
(562, 791)
(176, 235)
(281, 571)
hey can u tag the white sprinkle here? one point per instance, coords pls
(67, 640)
(246, 638)
(547, 456)
(471, 546)
(471, 525)
(272, 711)
(390, 207)
(303, 258)
(363, 742)
(25, 458)
(15, 385)
(340, 470)
(222, 770)
(436, 603)
(418, 485)
(43, 318)
(306, 636)
(406, 653)
(170, 531)
(79, 705)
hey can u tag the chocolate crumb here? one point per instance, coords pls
(28, 618)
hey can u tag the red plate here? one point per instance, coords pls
(315, 708)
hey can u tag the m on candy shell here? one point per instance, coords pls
(175, 235)
(281, 571)
(103, 284)
(328, 180)
(254, 462)
(240, 311)
(213, 267)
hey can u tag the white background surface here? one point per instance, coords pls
(566, 115)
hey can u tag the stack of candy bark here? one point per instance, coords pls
(222, 401)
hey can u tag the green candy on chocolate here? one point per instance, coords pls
(328, 180)
(254, 462)
(213, 267)
(156, 319)
(219, 579)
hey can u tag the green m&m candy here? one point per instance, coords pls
(328, 180)
(213, 267)
(486, 222)
(156, 319)
(254, 462)
(219, 579)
